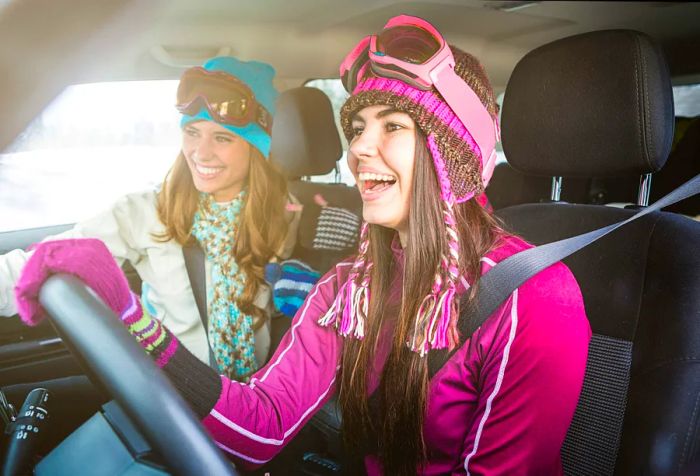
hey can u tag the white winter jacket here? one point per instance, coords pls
(127, 229)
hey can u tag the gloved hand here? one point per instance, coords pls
(87, 259)
(91, 262)
(291, 281)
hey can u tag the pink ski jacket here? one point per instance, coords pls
(501, 405)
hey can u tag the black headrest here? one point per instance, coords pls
(592, 105)
(305, 139)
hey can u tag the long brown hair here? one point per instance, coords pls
(263, 224)
(403, 385)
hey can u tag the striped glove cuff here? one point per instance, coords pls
(149, 332)
(198, 384)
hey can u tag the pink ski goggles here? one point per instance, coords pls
(411, 50)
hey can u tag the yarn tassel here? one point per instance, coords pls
(349, 310)
(425, 319)
(347, 323)
(331, 315)
(419, 342)
(444, 337)
(361, 306)
(351, 305)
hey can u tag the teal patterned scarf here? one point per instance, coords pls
(230, 331)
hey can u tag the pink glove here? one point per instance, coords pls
(88, 259)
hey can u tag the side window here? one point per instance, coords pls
(336, 93)
(686, 100)
(501, 156)
(91, 145)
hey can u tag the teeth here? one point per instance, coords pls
(376, 177)
(207, 170)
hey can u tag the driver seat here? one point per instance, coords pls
(600, 105)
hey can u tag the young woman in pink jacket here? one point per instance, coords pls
(422, 126)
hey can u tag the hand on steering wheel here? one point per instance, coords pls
(88, 259)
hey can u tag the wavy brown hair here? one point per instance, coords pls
(263, 223)
(402, 392)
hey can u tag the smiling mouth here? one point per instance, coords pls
(371, 183)
(206, 171)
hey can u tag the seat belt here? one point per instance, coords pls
(498, 284)
(196, 272)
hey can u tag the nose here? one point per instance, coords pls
(365, 144)
(203, 150)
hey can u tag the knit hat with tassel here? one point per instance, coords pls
(458, 166)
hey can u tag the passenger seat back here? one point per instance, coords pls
(305, 142)
(600, 105)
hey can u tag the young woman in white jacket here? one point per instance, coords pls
(221, 192)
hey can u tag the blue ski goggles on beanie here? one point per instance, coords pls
(224, 91)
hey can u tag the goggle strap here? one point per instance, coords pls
(264, 119)
(360, 73)
(353, 64)
(468, 107)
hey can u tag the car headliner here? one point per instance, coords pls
(48, 45)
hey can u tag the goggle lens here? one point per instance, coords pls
(236, 108)
(226, 98)
(408, 43)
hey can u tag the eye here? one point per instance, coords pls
(393, 126)
(191, 132)
(357, 130)
(224, 139)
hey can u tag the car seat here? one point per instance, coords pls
(600, 105)
(305, 143)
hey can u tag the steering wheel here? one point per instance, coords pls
(131, 377)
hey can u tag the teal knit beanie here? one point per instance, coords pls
(258, 77)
